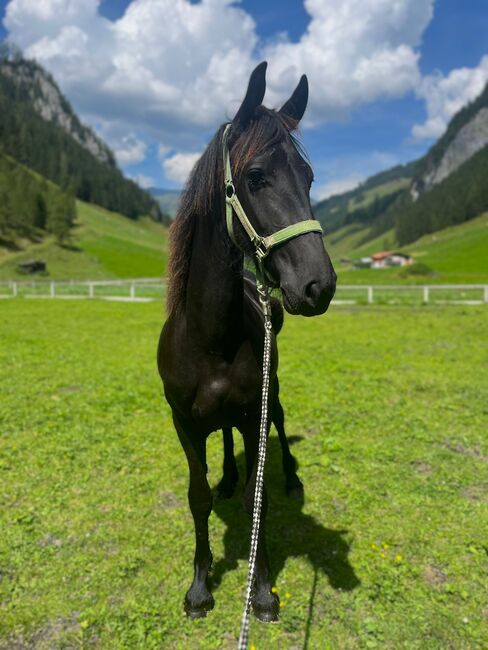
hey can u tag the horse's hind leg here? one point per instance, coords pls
(198, 599)
(227, 484)
(265, 604)
(293, 485)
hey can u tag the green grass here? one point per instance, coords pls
(104, 245)
(456, 255)
(388, 407)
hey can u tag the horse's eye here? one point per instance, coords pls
(256, 178)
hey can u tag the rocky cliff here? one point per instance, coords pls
(35, 84)
(466, 134)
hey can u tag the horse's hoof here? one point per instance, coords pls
(195, 613)
(266, 608)
(200, 610)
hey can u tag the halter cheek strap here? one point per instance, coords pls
(262, 245)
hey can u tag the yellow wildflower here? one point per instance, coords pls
(274, 590)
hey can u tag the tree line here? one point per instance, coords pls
(30, 206)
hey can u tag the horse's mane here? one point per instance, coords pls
(203, 194)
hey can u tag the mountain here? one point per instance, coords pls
(445, 187)
(466, 134)
(366, 201)
(168, 199)
(39, 128)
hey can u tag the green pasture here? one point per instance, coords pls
(103, 245)
(387, 410)
(456, 255)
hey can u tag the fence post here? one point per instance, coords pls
(486, 293)
(53, 290)
(370, 295)
(132, 291)
(14, 289)
(90, 290)
(426, 294)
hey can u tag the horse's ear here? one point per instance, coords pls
(296, 105)
(254, 96)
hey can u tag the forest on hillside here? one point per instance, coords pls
(30, 205)
(49, 150)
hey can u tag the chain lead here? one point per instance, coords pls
(263, 292)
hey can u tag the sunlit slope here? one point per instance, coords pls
(104, 245)
(455, 254)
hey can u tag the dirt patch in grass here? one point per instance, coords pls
(60, 633)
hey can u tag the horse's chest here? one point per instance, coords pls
(226, 392)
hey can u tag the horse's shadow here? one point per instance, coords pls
(289, 531)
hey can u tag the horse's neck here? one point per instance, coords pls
(214, 292)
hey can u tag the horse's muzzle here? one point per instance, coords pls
(313, 300)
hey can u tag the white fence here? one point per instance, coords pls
(461, 294)
(139, 290)
(149, 289)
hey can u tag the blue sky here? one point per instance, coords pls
(380, 94)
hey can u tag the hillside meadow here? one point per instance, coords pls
(103, 245)
(458, 254)
(387, 411)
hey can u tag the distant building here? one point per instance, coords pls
(383, 260)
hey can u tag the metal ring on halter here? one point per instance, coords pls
(261, 249)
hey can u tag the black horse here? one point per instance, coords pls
(211, 347)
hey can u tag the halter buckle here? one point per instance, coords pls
(261, 249)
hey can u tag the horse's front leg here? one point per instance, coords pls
(265, 604)
(198, 599)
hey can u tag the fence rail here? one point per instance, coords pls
(149, 289)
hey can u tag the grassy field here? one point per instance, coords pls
(388, 412)
(104, 245)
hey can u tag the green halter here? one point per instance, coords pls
(262, 245)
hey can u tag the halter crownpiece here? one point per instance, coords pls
(262, 245)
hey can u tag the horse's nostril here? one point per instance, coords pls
(312, 292)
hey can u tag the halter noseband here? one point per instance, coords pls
(262, 245)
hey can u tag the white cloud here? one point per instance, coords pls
(130, 150)
(352, 53)
(445, 95)
(171, 67)
(144, 181)
(163, 151)
(338, 186)
(178, 167)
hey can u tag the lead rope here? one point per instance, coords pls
(258, 488)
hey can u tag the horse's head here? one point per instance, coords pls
(272, 181)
